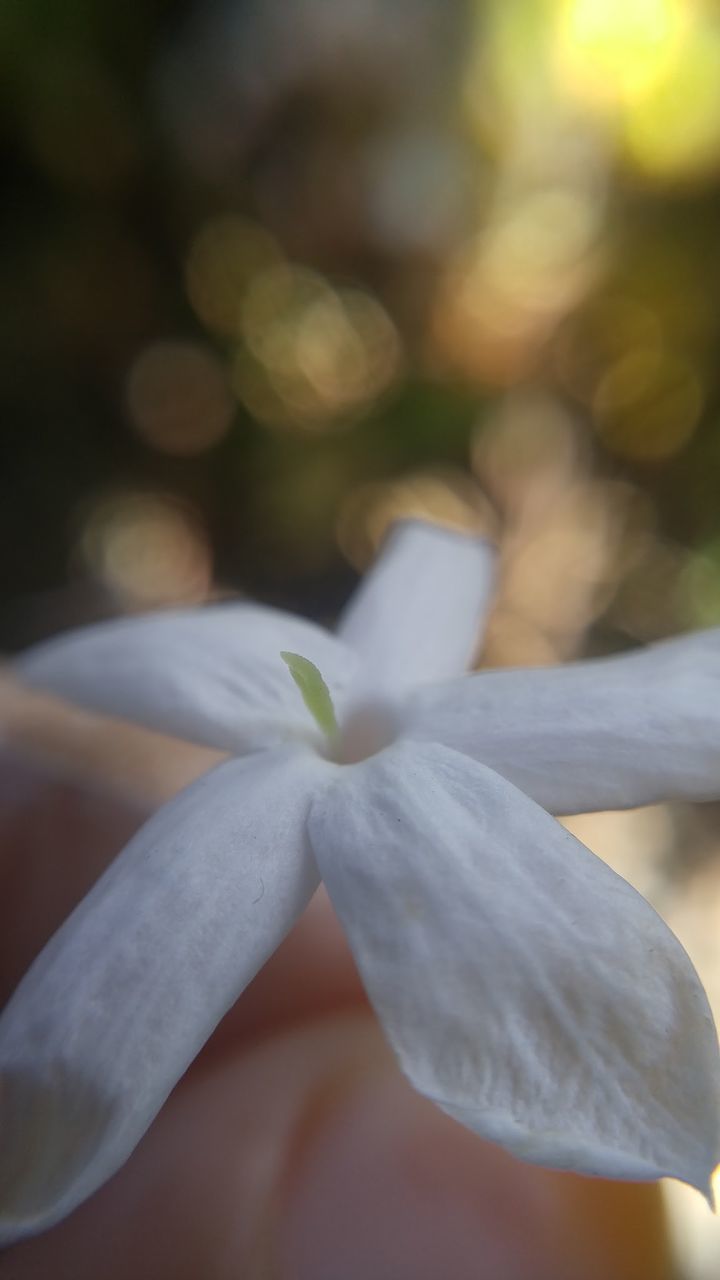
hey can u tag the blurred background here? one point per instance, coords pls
(278, 271)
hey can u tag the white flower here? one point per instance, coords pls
(525, 988)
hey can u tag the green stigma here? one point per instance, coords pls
(314, 691)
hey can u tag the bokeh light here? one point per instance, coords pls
(569, 538)
(649, 602)
(528, 453)
(313, 356)
(222, 259)
(178, 397)
(442, 496)
(147, 550)
(646, 407)
(502, 294)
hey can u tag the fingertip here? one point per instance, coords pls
(200, 1195)
(391, 1188)
(309, 1158)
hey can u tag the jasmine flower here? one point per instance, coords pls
(526, 988)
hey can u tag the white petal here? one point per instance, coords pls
(212, 675)
(417, 614)
(525, 987)
(608, 734)
(128, 990)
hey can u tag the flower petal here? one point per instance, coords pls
(418, 612)
(213, 675)
(608, 734)
(127, 991)
(525, 987)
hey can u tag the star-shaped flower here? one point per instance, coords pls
(524, 986)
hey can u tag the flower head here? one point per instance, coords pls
(525, 988)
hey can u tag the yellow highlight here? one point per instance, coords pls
(675, 130)
(618, 50)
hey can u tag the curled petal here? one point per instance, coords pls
(608, 734)
(213, 675)
(418, 613)
(127, 991)
(525, 987)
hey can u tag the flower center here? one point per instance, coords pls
(365, 730)
(368, 726)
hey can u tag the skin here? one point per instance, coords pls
(292, 1149)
